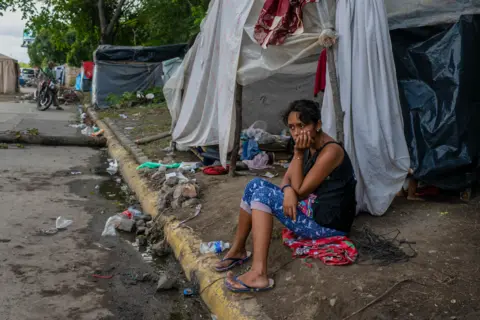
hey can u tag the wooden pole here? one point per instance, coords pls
(155, 137)
(238, 129)
(332, 73)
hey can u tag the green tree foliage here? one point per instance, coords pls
(68, 31)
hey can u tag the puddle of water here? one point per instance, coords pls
(112, 190)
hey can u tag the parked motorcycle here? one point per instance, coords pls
(46, 92)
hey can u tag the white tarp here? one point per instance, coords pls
(206, 115)
(373, 123)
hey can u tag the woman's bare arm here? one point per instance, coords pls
(328, 159)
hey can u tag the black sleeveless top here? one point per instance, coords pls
(335, 204)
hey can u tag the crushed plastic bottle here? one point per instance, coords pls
(214, 247)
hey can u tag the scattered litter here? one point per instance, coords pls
(432, 251)
(443, 213)
(131, 212)
(147, 257)
(83, 116)
(155, 165)
(48, 232)
(453, 301)
(102, 246)
(98, 133)
(62, 223)
(333, 301)
(214, 317)
(190, 166)
(270, 175)
(150, 96)
(123, 116)
(74, 173)
(214, 247)
(87, 131)
(112, 166)
(197, 212)
(110, 226)
(98, 276)
(77, 126)
(129, 128)
(188, 292)
(97, 187)
(165, 283)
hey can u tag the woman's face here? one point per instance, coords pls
(297, 127)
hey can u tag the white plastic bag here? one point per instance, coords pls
(110, 226)
(62, 223)
(87, 131)
(112, 167)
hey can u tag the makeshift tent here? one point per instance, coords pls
(129, 69)
(8, 75)
(201, 94)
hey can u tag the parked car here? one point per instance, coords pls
(27, 73)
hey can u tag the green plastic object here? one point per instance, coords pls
(155, 165)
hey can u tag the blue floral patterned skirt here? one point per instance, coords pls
(265, 196)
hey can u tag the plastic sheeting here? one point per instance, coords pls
(118, 78)
(437, 70)
(373, 123)
(140, 54)
(415, 13)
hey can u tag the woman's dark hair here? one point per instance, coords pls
(309, 111)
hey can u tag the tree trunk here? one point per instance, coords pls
(53, 141)
(107, 30)
(238, 129)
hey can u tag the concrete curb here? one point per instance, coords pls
(128, 144)
(185, 243)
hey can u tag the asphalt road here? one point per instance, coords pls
(51, 276)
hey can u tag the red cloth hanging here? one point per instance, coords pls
(321, 76)
(278, 19)
(88, 69)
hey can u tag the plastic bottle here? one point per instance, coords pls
(214, 247)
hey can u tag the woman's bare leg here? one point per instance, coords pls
(262, 225)
(412, 190)
(238, 248)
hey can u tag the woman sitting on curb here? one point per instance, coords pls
(316, 199)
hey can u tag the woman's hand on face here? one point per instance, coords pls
(303, 140)
(290, 202)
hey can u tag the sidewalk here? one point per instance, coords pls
(22, 116)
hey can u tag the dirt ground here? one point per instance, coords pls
(141, 122)
(441, 282)
(51, 276)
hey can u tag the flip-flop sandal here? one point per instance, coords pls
(248, 289)
(235, 262)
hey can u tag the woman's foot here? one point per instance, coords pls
(415, 198)
(232, 254)
(251, 278)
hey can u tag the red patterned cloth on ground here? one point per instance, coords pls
(333, 251)
(278, 19)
